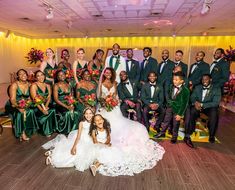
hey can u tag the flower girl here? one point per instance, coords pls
(77, 150)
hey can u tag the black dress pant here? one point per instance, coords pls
(190, 120)
(124, 107)
(168, 119)
(146, 115)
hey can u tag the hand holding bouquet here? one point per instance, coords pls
(109, 102)
(90, 99)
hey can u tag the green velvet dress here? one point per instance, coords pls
(80, 106)
(48, 72)
(47, 123)
(29, 124)
(68, 120)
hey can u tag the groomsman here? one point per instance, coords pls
(177, 101)
(165, 69)
(197, 70)
(148, 65)
(128, 92)
(178, 57)
(152, 98)
(132, 66)
(219, 69)
(116, 61)
(205, 99)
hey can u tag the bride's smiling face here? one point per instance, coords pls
(99, 121)
(108, 74)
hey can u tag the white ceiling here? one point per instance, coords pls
(93, 18)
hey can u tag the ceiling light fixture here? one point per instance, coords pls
(50, 14)
(206, 6)
(69, 24)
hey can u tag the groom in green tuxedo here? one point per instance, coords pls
(128, 92)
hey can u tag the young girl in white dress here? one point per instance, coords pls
(100, 133)
(77, 150)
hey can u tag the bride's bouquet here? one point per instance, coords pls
(109, 102)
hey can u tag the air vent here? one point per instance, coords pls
(56, 31)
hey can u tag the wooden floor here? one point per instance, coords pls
(209, 166)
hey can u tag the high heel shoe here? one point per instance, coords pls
(24, 139)
(93, 169)
(48, 153)
(48, 160)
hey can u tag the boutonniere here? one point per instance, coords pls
(157, 88)
(216, 68)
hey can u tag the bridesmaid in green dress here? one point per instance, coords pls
(41, 94)
(79, 65)
(65, 66)
(86, 92)
(96, 65)
(49, 66)
(24, 120)
(63, 97)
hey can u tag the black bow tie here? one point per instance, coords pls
(176, 64)
(177, 87)
(154, 85)
(126, 83)
(205, 88)
(214, 62)
(115, 56)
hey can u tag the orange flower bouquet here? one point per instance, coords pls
(90, 99)
(109, 102)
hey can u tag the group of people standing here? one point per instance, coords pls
(62, 93)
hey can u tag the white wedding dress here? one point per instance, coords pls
(131, 152)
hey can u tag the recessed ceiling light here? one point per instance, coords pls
(98, 15)
(56, 31)
(149, 29)
(212, 28)
(25, 19)
(155, 14)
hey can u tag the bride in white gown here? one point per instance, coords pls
(131, 152)
(136, 152)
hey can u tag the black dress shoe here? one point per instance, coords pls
(189, 142)
(173, 140)
(157, 129)
(159, 135)
(170, 132)
(212, 139)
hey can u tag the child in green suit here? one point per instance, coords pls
(177, 101)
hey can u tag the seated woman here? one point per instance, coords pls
(85, 92)
(96, 65)
(24, 120)
(49, 66)
(40, 92)
(63, 97)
